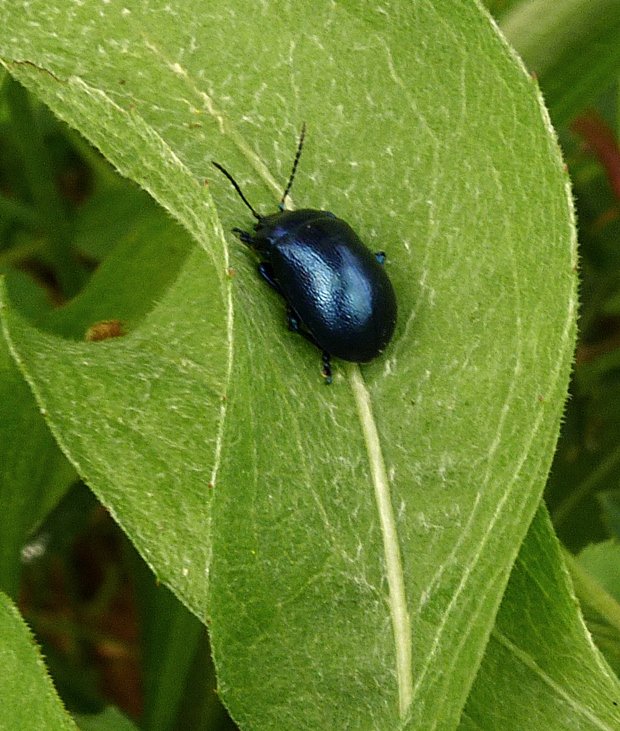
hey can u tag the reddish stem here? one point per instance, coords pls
(601, 140)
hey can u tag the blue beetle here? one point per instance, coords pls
(337, 292)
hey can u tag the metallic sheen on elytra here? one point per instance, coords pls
(337, 292)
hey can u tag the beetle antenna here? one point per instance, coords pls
(297, 156)
(238, 189)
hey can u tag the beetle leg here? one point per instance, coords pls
(381, 257)
(293, 321)
(294, 324)
(244, 236)
(327, 368)
(266, 271)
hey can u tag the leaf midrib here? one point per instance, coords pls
(401, 622)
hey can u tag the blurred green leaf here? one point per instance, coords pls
(29, 700)
(602, 562)
(27, 296)
(596, 575)
(147, 257)
(111, 719)
(610, 506)
(573, 47)
(430, 140)
(500, 7)
(109, 216)
(170, 638)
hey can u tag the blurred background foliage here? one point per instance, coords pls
(573, 48)
(110, 635)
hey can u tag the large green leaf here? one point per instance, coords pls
(139, 418)
(541, 670)
(361, 536)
